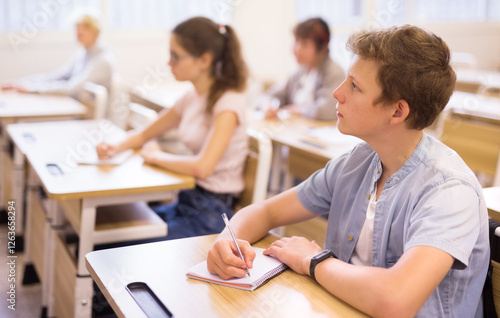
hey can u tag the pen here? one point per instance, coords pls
(224, 217)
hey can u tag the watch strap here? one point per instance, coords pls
(318, 258)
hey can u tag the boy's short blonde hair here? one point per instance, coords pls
(414, 65)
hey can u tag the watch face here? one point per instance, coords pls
(323, 255)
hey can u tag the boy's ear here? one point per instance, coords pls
(401, 112)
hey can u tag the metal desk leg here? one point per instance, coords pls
(18, 192)
(3, 153)
(84, 288)
(55, 222)
(275, 183)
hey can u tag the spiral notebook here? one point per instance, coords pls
(264, 268)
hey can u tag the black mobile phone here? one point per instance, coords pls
(148, 301)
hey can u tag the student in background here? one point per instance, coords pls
(211, 123)
(308, 91)
(406, 216)
(92, 63)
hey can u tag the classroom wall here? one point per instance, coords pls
(265, 28)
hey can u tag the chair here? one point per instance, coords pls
(496, 179)
(118, 105)
(492, 285)
(257, 167)
(140, 116)
(95, 97)
(477, 143)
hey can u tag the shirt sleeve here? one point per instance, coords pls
(97, 72)
(447, 217)
(234, 102)
(316, 193)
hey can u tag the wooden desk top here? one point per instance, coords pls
(492, 198)
(163, 267)
(476, 106)
(16, 105)
(320, 138)
(63, 143)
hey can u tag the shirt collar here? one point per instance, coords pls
(416, 158)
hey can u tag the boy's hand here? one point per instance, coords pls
(296, 252)
(223, 258)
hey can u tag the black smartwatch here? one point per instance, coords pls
(318, 258)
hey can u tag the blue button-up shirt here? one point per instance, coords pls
(434, 199)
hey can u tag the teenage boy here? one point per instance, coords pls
(407, 224)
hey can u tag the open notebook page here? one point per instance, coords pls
(264, 268)
(116, 160)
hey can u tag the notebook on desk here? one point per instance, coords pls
(116, 160)
(264, 268)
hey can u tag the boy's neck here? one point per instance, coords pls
(395, 150)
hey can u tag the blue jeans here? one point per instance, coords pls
(196, 212)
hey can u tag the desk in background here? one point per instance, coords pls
(473, 81)
(311, 143)
(474, 106)
(162, 266)
(74, 194)
(15, 108)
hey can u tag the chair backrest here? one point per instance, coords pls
(140, 116)
(118, 104)
(493, 288)
(257, 168)
(496, 178)
(489, 90)
(478, 143)
(95, 97)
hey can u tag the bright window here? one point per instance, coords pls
(54, 15)
(30, 16)
(384, 13)
(334, 12)
(137, 14)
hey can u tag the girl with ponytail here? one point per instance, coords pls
(211, 124)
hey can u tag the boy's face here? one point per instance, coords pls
(357, 115)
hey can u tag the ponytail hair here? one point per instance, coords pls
(200, 35)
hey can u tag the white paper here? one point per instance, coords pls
(116, 160)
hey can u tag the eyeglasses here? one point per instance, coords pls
(175, 58)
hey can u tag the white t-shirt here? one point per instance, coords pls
(362, 254)
(196, 128)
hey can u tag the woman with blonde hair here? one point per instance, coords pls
(92, 63)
